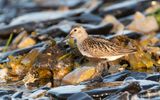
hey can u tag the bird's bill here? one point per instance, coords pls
(66, 38)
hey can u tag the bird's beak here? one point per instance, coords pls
(66, 38)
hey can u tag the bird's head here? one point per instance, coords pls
(78, 33)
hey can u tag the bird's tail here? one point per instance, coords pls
(128, 51)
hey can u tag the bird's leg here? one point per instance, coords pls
(105, 67)
(108, 65)
(101, 68)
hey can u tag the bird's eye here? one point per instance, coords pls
(75, 30)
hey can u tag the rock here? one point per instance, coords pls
(10, 91)
(3, 75)
(64, 92)
(143, 24)
(43, 98)
(121, 9)
(4, 92)
(45, 88)
(44, 16)
(37, 94)
(31, 57)
(150, 93)
(102, 91)
(26, 42)
(5, 97)
(138, 75)
(96, 91)
(116, 77)
(154, 77)
(118, 27)
(41, 88)
(80, 96)
(145, 84)
(133, 87)
(19, 37)
(119, 96)
(89, 18)
(78, 75)
(17, 95)
(57, 3)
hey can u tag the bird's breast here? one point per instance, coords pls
(83, 50)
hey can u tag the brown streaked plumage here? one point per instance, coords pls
(97, 47)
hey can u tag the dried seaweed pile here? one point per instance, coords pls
(36, 64)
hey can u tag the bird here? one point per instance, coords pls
(97, 47)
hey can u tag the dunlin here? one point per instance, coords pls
(97, 47)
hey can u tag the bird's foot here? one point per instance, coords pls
(102, 68)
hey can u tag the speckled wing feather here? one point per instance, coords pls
(100, 47)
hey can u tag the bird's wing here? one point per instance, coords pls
(110, 47)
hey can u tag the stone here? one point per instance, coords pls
(26, 42)
(64, 92)
(17, 95)
(80, 96)
(37, 94)
(79, 75)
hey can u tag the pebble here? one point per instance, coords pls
(26, 42)
(38, 93)
(80, 96)
(6, 97)
(17, 95)
(79, 75)
(64, 92)
(154, 77)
